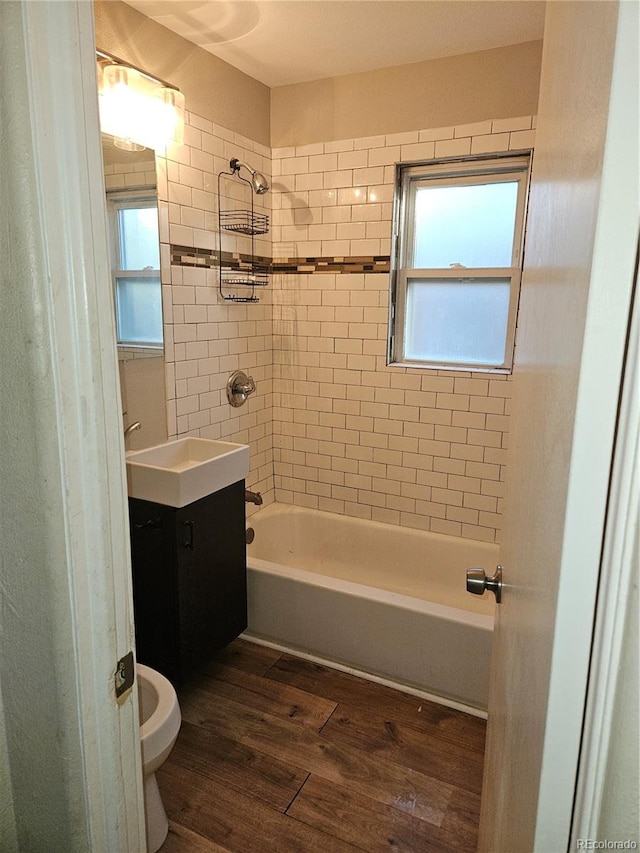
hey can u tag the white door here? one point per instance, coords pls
(580, 253)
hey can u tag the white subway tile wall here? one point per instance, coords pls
(122, 176)
(419, 448)
(331, 426)
(206, 337)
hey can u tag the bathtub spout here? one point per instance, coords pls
(131, 428)
(252, 497)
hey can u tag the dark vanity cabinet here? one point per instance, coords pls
(189, 580)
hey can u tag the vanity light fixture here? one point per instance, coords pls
(137, 109)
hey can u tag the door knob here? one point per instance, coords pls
(478, 582)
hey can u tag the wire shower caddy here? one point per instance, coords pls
(242, 276)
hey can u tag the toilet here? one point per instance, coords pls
(159, 726)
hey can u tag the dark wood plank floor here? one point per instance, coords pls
(280, 755)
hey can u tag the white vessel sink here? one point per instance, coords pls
(179, 472)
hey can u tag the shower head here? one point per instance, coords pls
(258, 181)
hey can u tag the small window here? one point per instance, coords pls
(457, 263)
(136, 269)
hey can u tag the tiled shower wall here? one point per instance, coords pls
(419, 448)
(331, 426)
(207, 338)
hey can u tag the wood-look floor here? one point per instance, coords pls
(280, 755)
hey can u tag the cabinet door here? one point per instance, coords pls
(212, 575)
(155, 591)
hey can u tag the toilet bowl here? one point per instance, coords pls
(159, 726)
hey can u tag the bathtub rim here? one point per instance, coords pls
(279, 507)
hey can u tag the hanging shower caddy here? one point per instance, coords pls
(240, 276)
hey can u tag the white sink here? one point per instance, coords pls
(179, 472)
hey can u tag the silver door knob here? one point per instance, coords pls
(478, 582)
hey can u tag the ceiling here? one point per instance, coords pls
(293, 41)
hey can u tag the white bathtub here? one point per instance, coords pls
(384, 600)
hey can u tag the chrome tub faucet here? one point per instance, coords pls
(131, 428)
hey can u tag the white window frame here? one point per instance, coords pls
(409, 177)
(123, 200)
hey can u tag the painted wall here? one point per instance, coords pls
(212, 88)
(489, 84)
(143, 395)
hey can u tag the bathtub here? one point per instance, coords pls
(388, 602)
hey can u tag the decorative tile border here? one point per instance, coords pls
(185, 256)
(363, 263)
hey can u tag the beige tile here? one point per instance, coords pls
(309, 181)
(477, 129)
(453, 148)
(487, 405)
(312, 149)
(462, 514)
(386, 516)
(417, 151)
(368, 176)
(294, 165)
(484, 534)
(473, 420)
(435, 134)
(451, 528)
(401, 138)
(339, 145)
(488, 144)
(384, 156)
(353, 159)
(486, 438)
(522, 139)
(323, 163)
(336, 214)
(504, 125)
(369, 142)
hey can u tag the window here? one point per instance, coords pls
(457, 262)
(136, 269)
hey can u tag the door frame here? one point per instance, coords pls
(72, 768)
(618, 574)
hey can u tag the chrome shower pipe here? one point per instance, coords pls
(258, 181)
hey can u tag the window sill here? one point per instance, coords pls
(455, 368)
